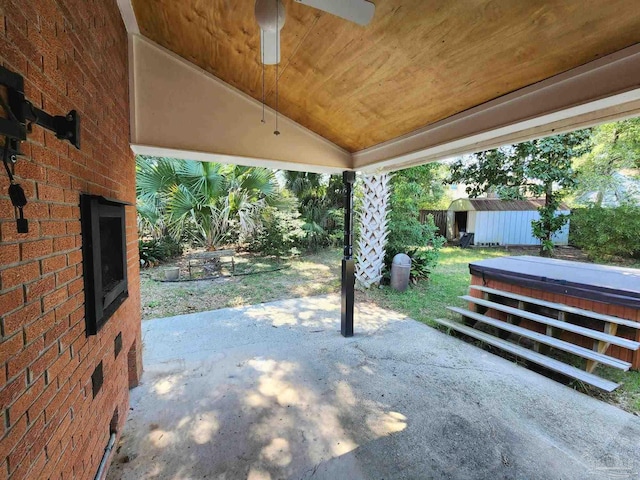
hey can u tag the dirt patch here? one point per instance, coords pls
(255, 280)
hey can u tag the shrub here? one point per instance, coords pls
(420, 241)
(280, 233)
(607, 232)
(154, 251)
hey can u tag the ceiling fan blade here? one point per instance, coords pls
(270, 47)
(356, 11)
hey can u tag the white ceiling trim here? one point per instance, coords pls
(154, 151)
(583, 96)
(128, 16)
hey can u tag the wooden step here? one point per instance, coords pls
(532, 356)
(545, 339)
(569, 327)
(558, 306)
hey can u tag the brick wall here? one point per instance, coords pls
(73, 55)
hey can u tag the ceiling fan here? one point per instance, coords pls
(270, 15)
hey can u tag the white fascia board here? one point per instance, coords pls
(603, 90)
(128, 16)
(232, 159)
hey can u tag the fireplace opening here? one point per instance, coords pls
(104, 258)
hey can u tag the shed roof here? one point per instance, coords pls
(497, 204)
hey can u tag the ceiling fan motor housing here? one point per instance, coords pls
(270, 14)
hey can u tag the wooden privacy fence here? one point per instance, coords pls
(439, 218)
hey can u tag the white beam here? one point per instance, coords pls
(128, 16)
(231, 159)
(606, 89)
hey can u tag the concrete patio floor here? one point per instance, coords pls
(273, 391)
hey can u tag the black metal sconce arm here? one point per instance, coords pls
(22, 113)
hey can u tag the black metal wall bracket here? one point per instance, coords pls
(21, 114)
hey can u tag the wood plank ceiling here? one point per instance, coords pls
(418, 62)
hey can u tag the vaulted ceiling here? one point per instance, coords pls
(418, 62)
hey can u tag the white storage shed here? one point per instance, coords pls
(499, 222)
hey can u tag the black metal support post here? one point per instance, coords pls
(348, 265)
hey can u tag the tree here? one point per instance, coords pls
(413, 189)
(319, 202)
(616, 146)
(208, 202)
(373, 229)
(541, 167)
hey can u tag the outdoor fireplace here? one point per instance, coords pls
(104, 253)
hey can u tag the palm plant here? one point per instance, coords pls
(318, 204)
(204, 202)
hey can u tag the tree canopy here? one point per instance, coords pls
(413, 189)
(541, 167)
(616, 147)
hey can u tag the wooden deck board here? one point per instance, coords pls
(532, 356)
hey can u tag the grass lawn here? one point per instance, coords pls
(319, 273)
(429, 299)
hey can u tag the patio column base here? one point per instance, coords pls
(348, 264)
(348, 282)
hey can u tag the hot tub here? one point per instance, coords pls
(597, 288)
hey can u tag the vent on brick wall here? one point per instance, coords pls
(117, 344)
(104, 255)
(96, 380)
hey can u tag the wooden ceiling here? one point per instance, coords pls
(418, 62)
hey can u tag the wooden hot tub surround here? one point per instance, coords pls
(586, 310)
(588, 288)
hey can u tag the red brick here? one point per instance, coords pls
(53, 264)
(13, 276)
(44, 361)
(10, 392)
(79, 48)
(56, 332)
(54, 299)
(61, 211)
(39, 210)
(9, 233)
(61, 244)
(18, 429)
(9, 253)
(53, 228)
(49, 193)
(21, 405)
(37, 289)
(76, 286)
(74, 257)
(21, 361)
(11, 300)
(39, 326)
(10, 347)
(37, 249)
(15, 321)
(74, 228)
(42, 401)
(24, 445)
(65, 275)
(44, 156)
(55, 177)
(30, 171)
